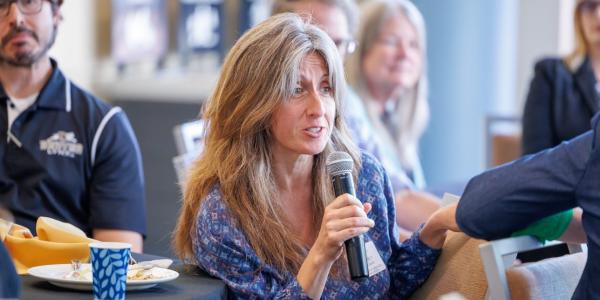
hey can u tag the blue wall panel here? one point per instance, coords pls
(472, 63)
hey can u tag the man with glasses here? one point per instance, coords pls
(336, 17)
(64, 153)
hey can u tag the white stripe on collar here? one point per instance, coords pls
(68, 95)
(11, 137)
(105, 120)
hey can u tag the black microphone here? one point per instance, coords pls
(339, 167)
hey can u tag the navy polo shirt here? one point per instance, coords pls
(72, 157)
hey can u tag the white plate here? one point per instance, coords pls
(55, 274)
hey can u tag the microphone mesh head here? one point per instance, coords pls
(339, 162)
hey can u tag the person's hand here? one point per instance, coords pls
(434, 232)
(414, 208)
(344, 218)
(446, 216)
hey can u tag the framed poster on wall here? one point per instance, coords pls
(253, 12)
(139, 31)
(201, 27)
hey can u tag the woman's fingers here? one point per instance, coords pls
(342, 224)
(344, 200)
(339, 237)
(345, 212)
(344, 218)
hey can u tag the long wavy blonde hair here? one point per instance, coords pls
(260, 72)
(412, 111)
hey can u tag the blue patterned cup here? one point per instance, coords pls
(109, 269)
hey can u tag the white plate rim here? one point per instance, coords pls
(43, 271)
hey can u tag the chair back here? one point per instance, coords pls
(458, 269)
(545, 279)
(189, 138)
(552, 278)
(503, 139)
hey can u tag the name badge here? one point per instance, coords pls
(374, 260)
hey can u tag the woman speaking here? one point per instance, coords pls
(259, 210)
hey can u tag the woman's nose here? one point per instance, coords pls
(315, 104)
(401, 49)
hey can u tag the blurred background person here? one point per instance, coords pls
(389, 72)
(259, 205)
(338, 18)
(65, 153)
(563, 95)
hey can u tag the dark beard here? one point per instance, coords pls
(27, 59)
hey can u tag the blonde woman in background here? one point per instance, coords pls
(563, 95)
(389, 73)
(259, 210)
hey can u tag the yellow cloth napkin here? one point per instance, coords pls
(57, 243)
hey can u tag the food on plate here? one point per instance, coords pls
(85, 273)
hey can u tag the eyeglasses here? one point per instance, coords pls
(346, 46)
(27, 7)
(588, 7)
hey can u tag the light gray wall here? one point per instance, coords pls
(75, 47)
(545, 29)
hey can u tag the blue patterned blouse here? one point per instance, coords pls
(222, 250)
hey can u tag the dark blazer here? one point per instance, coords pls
(511, 197)
(9, 280)
(559, 105)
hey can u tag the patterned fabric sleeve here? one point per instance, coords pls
(223, 251)
(410, 266)
(411, 262)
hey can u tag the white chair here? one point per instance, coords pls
(188, 139)
(479, 269)
(502, 139)
(552, 278)
(189, 136)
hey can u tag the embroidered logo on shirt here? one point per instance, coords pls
(62, 143)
